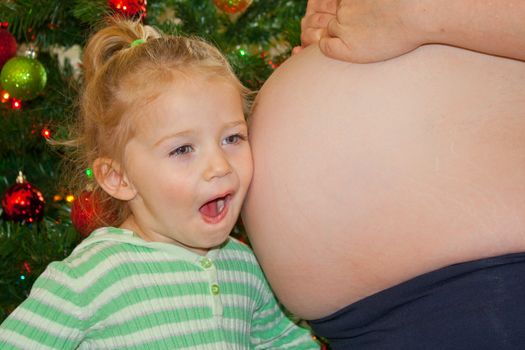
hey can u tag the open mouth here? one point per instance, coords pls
(215, 210)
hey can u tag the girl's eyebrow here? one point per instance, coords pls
(189, 132)
(173, 135)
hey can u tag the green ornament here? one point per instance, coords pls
(23, 77)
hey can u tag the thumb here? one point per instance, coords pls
(335, 48)
(296, 50)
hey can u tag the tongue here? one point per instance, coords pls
(210, 209)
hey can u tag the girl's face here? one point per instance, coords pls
(190, 163)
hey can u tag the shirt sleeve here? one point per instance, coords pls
(274, 328)
(50, 318)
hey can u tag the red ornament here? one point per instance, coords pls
(23, 202)
(232, 6)
(129, 8)
(7, 46)
(86, 213)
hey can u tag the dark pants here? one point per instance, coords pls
(473, 305)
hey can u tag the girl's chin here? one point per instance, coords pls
(203, 250)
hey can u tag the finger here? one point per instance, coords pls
(317, 20)
(312, 6)
(335, 48)
(311, 35)
(321, 6)
(333, 28)
(296, 50)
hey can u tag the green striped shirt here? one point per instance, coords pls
(117, 291)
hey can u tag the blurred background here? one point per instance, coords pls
(40, 54)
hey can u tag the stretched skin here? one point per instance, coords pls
(367, 175)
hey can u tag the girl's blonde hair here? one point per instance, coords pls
(124, 66)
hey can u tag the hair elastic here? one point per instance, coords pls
(137, 42)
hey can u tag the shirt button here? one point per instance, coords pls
(206, 263)
(215, 289)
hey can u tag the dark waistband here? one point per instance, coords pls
(454, 307)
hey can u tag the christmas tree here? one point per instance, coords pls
(40, 53)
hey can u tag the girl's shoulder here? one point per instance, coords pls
(234, 245)
(103, 250)
(239, 255)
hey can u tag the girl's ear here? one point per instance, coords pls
(111, 178)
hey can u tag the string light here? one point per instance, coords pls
(46, 133)
(70, 198)
(27, 267)
(16, 104)
(89, 173)
(5, 96)
(273, 65)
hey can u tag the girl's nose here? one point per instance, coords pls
(217, 166)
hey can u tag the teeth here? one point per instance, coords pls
(220, 205)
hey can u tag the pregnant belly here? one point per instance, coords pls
(369, 175)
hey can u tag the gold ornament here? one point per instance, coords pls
(233, 8)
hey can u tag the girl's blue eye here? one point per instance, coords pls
(182, 150)
(234, 139)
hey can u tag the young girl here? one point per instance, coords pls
(162, 126)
